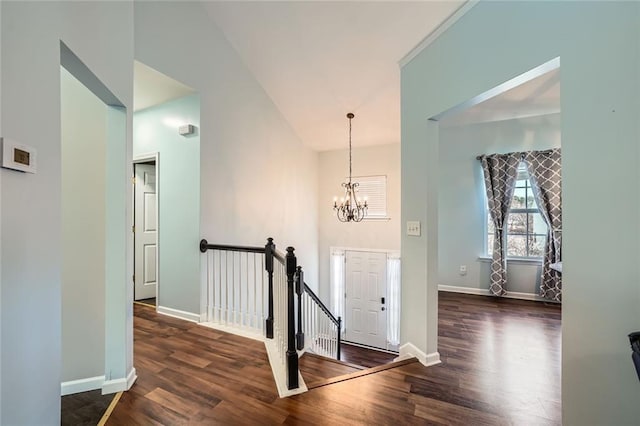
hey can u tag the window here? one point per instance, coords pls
(374, 190)
(526, 231)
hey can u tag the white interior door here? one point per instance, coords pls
(145, 232)
(365, 298)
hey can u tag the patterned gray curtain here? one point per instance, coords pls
(545, 174)
(500, 172)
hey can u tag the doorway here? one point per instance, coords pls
(145, 229)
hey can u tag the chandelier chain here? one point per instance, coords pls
(350, 162)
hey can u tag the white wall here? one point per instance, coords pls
(461, 200)
(155, 130)
(257, 179)
(373, 234)
(84, 129)
(31, 207)
(493, 43)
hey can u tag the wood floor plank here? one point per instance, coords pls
(500, 365)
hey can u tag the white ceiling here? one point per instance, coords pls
(539, 96)
(318, 60)
(151, 87)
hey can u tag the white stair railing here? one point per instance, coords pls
(253, 289)
(318, 329)
(237, 290)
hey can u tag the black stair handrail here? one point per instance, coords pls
(324, 308)
(295, 286)
(204, 246)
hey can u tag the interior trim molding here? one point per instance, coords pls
(81, 385)
(119, 385)
(249, 333)
(176, 313)
(409, 350)
(131, 377)
(485, 292)
(433, 35)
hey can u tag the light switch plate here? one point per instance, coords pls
(413, 228)
(17, 156)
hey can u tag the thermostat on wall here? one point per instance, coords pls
(19, 157)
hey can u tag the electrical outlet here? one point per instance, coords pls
(463, 269)
(413, 228)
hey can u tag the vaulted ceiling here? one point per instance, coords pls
(318, 60)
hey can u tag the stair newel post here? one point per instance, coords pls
(339, 337)
(299, 287)
(268, 264)
(292, 354)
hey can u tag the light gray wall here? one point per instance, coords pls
(492, 43)
(84, 130)
(372, 234)
(257, 179)
(155, 130)
(1, 133)
(31, 207)
(461, 200)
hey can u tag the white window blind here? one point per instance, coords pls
(374, 190)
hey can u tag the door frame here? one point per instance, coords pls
(138, 159)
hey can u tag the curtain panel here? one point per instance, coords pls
(500, 172)
(545, 175)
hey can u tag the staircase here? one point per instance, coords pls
(259, 292)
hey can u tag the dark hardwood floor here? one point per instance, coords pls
(501, 365)
(316, 369)
(365, 357)
(150, 301)
(84, 408)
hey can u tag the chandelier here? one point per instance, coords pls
(350, 208)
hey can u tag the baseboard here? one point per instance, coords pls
(249, 333)
(176, 313)
(119, 385)
(373, 348)
(486, 292)
(409, 350)
(131, 377)
(280, 372)
(81, 385)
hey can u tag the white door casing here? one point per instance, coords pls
(145, 232)
(365, 297)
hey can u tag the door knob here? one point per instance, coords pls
(382, 308)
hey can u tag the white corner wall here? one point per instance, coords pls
(84, 131)
(155, 130)
(598, 46)
(257, 179)
(30, 291)
(368, 234)
(461, 201)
